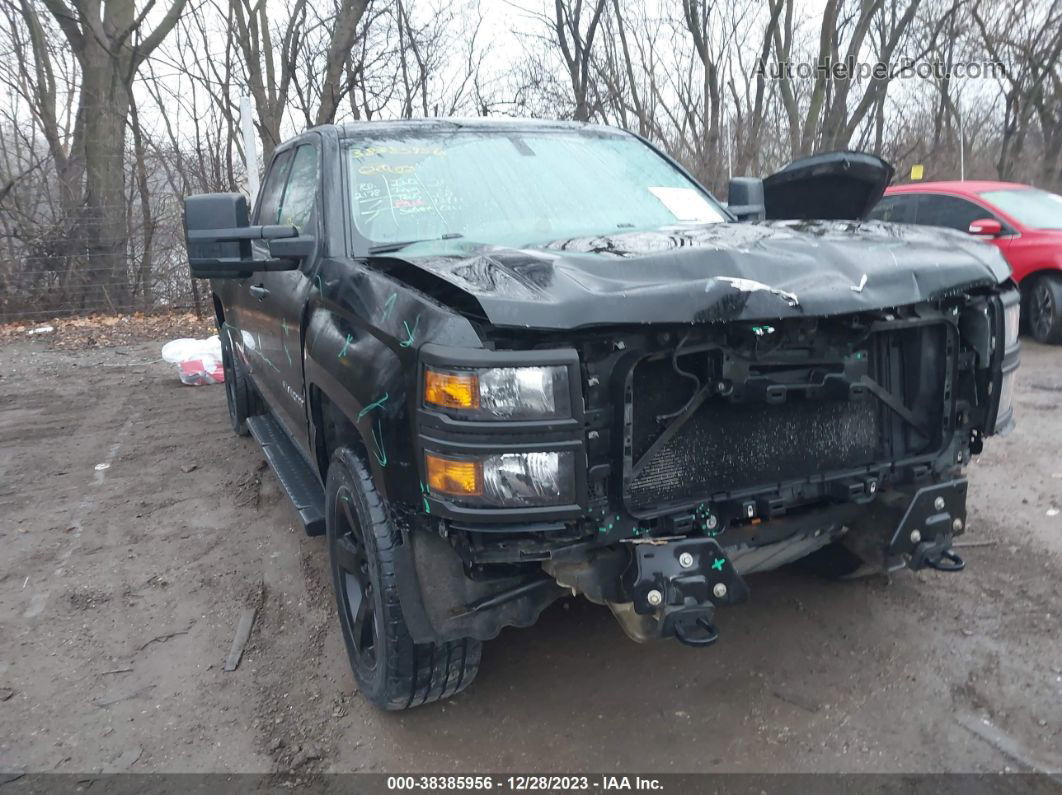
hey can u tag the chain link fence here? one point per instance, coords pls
(45, 288)
(59, 261)
(68, 248)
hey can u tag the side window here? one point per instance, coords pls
(950, 211)
(269, 204)
(896, 209)
(301, 191)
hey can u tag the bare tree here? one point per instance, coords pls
(1028, 39)
(108, 39)
(576, 43)
(274, 53)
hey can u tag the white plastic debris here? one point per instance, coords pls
(751, 286)
(198, 361)
(41, 330)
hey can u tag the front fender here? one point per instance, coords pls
(362, 331)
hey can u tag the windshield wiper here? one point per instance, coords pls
(383, 248)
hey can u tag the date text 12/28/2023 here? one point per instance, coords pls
(521, 783)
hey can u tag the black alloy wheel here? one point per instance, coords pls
(354, 583)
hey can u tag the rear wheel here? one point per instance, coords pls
(239, 394)
(392, 671)
(1043, 308)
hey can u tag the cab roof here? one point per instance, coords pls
(428, 125)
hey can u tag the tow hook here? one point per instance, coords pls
(680, 582)
(924, 535)
(955, 562)
(945, 559)
(699, 631)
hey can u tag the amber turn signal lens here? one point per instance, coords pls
(453, 476)
(451, 390)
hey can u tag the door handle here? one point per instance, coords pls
(258, 291)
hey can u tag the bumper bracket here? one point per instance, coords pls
(924, 535)
(680, 582)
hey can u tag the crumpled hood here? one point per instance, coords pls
(715, 272)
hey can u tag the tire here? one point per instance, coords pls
(392, 671)
(239, 394)
(832, 562)
(1043, 308)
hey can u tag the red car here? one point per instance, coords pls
(1023, 222)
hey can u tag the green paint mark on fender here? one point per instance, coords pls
(717, 564)
(410, 332)
(377, 438)
(389, 304)
(374, 405)
(346, 346)
(424, 496)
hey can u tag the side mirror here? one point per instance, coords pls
(218, 237)
(745, 198)
(986, 227)
(294, 248)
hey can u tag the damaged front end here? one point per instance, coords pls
(694, 455)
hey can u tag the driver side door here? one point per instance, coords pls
(286, 292)
(252, 318)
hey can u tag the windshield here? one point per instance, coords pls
(1034, 208)
(515, 188)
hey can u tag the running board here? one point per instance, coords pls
(298, 480)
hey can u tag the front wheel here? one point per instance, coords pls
(392, 671)
(1043, 308)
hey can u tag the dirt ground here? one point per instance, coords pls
(135, 528)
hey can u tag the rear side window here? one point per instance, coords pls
(297, 205)
(273, 189)
(897, 209)
(949, 211)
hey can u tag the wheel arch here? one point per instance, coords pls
(1043, 270)
(332, 429)
(1027, 282)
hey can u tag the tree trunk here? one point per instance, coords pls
(105, 96)
(343, 35)
(109, 42)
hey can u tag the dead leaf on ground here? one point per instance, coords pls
(92, 331)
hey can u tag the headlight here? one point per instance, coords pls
(500, 393)
(505, 480)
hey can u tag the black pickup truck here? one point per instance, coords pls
(500, 362)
